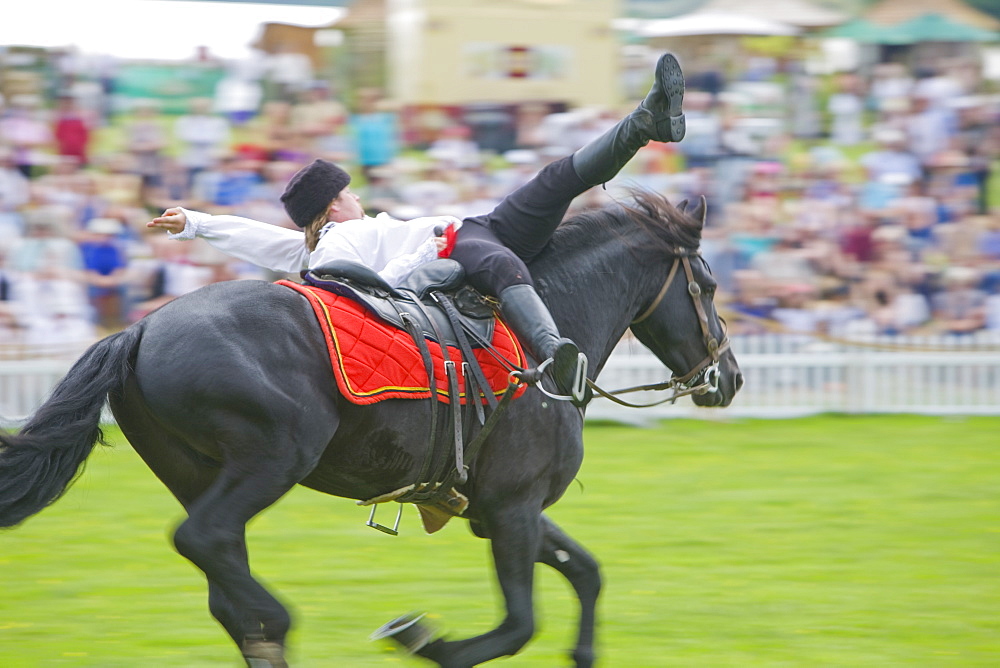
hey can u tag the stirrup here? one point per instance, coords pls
(578, 390)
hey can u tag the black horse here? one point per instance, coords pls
(226, 395)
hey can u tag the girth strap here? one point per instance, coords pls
(457, 477)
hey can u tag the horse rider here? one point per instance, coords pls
(493, 248)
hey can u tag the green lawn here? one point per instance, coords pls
(828, 541)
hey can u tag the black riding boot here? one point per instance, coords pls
(657, 118)
(523, 310)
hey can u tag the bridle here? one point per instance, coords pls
(704, 377)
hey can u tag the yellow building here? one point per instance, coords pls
(498, 66)
(456, 52)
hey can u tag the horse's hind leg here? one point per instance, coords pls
(186, 474)
(214, 539)
(582, 571)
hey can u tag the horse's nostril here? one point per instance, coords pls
(739, 381)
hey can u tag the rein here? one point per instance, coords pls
(706, 371)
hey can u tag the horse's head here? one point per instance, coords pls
(678, 321)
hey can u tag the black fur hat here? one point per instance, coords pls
(312, 189)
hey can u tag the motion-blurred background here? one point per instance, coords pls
(848, 151)
(846, 147)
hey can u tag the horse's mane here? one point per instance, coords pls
(647, 221)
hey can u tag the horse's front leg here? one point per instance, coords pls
(515, 541)
(582, 571)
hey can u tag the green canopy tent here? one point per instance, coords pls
(940, 28)
(929, 27)
(862, 30)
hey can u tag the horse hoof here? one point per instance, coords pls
(264, 654)
(406, 631)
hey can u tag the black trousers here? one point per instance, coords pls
(495, 247)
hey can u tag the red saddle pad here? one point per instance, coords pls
(373, 360)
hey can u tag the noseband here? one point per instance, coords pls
(707, 371)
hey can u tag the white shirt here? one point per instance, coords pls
(392, 248)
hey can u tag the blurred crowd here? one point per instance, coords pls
(863, 211)
(846, 205)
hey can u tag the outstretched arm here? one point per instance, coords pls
(265, 245)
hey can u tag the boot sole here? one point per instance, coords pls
(672, 81)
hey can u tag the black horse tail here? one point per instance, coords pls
(38, 464)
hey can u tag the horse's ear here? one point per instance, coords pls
(682, 206)
(700, 211)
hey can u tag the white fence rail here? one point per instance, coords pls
(785, 376)
(790, 375)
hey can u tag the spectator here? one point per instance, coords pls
(382, 192)
(991, 311)
(319, 120)
(846, 108)
(796, 311)
(805, 115)
(961, 307)
(229, 183)
(46, 271)
(988, 242)
(14, 193)
(272, 134)
(45, 248)
(892, 158)
(24, 131)
(176, 270)
(145, 141)
(61, 185)
(264, 203)
(104, 265)
(890, 89)
(6, 291)
(930, 129)
(238, 95)
(118, 182)
(71, 130)
(375, 132)
(701, 145)
(455, 148)
(202, 136)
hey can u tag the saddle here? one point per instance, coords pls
(434, 303)
(414, 299)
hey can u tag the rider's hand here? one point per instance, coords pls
(173, 220)
(444, 239)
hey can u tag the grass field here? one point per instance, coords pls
(827, 541)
